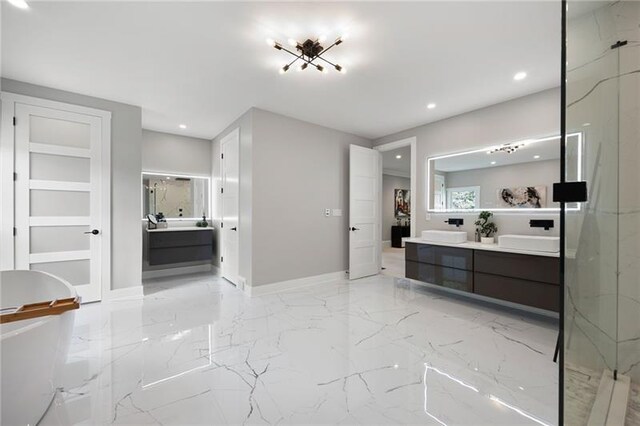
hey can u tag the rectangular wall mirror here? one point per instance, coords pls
(517, 176)
(175, 196)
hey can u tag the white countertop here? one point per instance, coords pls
(181, 228)
(479, 246)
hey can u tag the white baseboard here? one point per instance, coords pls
(386, 244)
(610, 406)
(123, 293)
(169, 272)
(294, 284)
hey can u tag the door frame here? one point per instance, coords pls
(235, 133)
(7, 190)
(413, 143)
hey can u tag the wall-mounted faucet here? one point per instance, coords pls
(456, 222)
(541, 223)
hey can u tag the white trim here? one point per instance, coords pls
(234, 134)
(610, 405)
(63, 151)
(413, 143)
(261, 290)
(54, 185)
(59, 221)
(30, 100)
(59, 256)
(398, 173)
(134, 292)
(181, 270)
(7, 149)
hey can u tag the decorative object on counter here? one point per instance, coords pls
(541, 223)
(485, 227)
(402, 203)
(152, 222)
(523, 197)
(202, 223)
(455, 221)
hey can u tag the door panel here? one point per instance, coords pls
(364, 212)
(230, 185)
(58, 195)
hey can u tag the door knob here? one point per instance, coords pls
(234, 229)
(353, 228)
(93, 231)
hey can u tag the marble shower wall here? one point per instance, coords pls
(603, 288)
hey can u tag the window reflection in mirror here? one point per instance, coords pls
(175, 196)
(509, 177)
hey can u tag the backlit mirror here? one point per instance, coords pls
(516, 176)
(175, 196)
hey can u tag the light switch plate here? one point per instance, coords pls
(337, 212)
(428, 216)
(327, 212)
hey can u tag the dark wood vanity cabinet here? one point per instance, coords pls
(519, 278)
(440, 265)
(180, 246)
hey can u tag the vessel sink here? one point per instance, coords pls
(453, 237)
(530, 242)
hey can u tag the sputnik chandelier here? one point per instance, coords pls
(508, 148)
(309, 53)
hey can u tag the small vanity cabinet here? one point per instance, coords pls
(176, 245)
(526, 279)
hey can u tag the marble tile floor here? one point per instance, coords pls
(393, 262)
(380, 350)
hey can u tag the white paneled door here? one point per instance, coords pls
(230, 193)
(364, 212)
(59, 206)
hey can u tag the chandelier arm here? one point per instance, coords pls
(324, 50)
(292, 62)
(329, 62)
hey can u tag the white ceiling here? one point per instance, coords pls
(204, 64)
(402, 165)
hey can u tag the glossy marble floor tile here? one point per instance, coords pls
(393, 262)
(379, 350)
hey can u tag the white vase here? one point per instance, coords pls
(487, 240)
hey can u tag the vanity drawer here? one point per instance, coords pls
(457, 279)
(168, 255)
(180, 239)
(450, 257)
(530, 293)
(522, 266)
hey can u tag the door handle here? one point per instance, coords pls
(353, 228)
(93, 231)
(234, 229)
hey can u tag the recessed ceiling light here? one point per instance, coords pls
(536, 156)
(493, 162)
(586, 124)
(183, 126)
(168, 177)
(520, 76)
(20, 4)
(431, 106)
(398, 156)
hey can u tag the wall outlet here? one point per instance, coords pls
(428, 216)
(337, 212)
(327, 212)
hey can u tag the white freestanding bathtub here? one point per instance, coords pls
(34, 350)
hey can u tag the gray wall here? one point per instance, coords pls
(126, 153)
(491, 179)
(245, 224)
(526, 117)
(299, 169)
(166, 152)
(389, 184)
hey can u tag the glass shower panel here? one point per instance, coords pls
(591, 228)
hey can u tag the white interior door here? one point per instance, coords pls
(230, 185)
(365, 212)
(58, 195)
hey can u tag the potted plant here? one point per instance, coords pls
(485, 227)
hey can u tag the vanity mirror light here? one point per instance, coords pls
(512, 177)
(177, 197)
